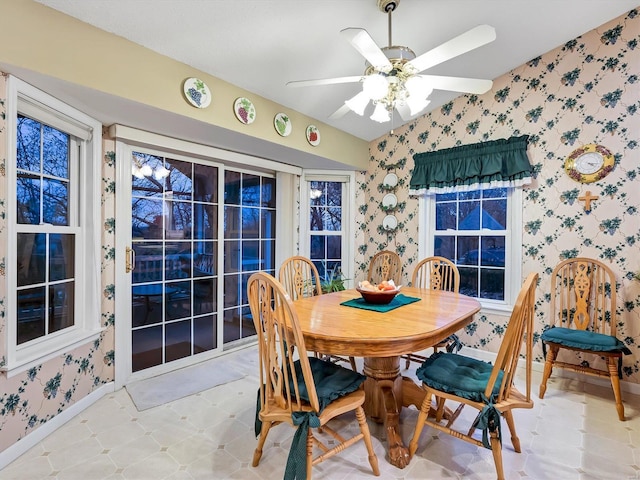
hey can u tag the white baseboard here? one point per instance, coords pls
(21, 446)
(633, 388)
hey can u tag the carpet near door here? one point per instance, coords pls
(155, 391)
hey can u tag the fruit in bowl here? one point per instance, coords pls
(382, 293)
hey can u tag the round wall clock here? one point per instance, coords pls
(589, 163)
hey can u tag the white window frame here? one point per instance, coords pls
(348, 216)
(513, 245)
(26, 99)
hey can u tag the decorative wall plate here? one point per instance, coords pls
(196, 92)
(390, 222)
(390, 180)
(313, 135)
(589, 163)
(282, 124)
(389, 201)
(244, 110)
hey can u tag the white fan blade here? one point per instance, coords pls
(364, 44)
(470, 40)
(341, 112)
(458, 84)
(404, 111)
(324, 81)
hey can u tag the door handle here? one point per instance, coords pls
(130, 259)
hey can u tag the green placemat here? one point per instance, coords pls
(398, 301)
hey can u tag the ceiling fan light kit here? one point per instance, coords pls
(392, 79)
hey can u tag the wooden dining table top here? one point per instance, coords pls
(337, 329)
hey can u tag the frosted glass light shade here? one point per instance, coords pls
(375, 86)
(418, 86)
(380, 114)
(358, 103)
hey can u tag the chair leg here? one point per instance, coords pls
(408, 363)
(615, 383)
(266, 426)
(366, 436)
(515, 441)
(352, 361)
(548, 368)
(309, 453)
(422, 417)
(496, 449)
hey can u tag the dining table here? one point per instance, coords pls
(341, 323)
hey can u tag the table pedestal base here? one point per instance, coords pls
(386, 392)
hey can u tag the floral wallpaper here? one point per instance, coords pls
(586, 91)
(30, 399)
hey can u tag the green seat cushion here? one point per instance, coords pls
(332, 381)
(458, 375)
(584, 340)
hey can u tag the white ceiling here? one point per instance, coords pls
(260, 45)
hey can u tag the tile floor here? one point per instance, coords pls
(573, 433)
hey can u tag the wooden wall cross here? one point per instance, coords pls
(587, 198)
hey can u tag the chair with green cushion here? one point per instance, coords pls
(435, 273)
(583, 320)
(300, 279)
(487, 387)
(305, 392)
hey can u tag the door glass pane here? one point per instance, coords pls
(204, 334)
(250, 222)
(146, 348)
(178, 223)
(143, 182)
(147, 221)
(250, 190)
(149, 262)
(231, 188)
(205, 183)
(179, 183)
(177, 340)
(177, 300)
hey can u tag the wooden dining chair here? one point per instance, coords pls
(583, 320)
(435, 273)
(385, 265)
(487, 387)
(305, 392)
(300, 279)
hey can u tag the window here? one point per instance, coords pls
(53, 198)
(325, 227)
(478, 230)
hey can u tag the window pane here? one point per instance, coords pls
(492, 283)
(334, 247)
(469, 281)
(250, 222)
(177, 300)
(446, 214)
(315, 218)
(232, 222)
(468, 251)
(205, 183)
(149, 262)
(55, 152)
(146, 347)
(147, 221)
(28, 199)
(494, 193)
(28, 144)
(143, 182)
(333, 219)
(492, 251)
(268, 224)
(494, 214)
(31, 256)
(469, 195)
(30, 314)
(61, 302)
(250, 190)
(317, 247)
(177, 340)
(178, 224)
(445, 247)
(179, 180)
(204, 334)
(469, 216)
(231, 188)
(442, 197)
(55, 204)
(268, 192)
(61, 257)
(205, 221)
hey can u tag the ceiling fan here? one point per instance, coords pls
(393, 78)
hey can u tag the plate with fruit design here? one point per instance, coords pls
(282, 124)
(196, 92)
(313, 135)
(244, 110)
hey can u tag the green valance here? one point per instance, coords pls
(498, 163)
